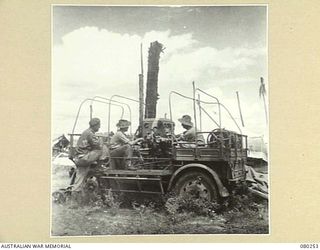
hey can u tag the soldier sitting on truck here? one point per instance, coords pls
(121, 150)
(188, 138)
(89, 150)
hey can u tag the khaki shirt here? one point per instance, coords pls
(87, 142)
(119, 139)
(190, 136)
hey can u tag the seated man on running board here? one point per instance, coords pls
(89, 150)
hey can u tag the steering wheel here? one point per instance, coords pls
(138, 142)
(212, 137)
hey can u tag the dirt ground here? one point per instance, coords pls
(84, 221)
(243, 215)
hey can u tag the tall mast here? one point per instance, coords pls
(141, 97)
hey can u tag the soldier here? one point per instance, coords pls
(189, 135)
(89, 150)
(121, 147)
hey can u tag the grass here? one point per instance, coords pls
(133, 215)
(72, 219)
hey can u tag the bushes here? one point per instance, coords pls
(247, 212)
(111, 202)
(174, 206)
(108, 215)
(179, 208)
(170, 203)
(243, 202)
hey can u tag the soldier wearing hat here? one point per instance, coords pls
(121, 147)
(189, 135)
(89, 149)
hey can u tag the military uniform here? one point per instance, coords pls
(190, 134)
(120, 151)
(89, 149)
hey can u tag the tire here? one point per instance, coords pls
(198, 185)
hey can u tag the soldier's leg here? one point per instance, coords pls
(105, 154)
(128, 156)
(80, 176)
(123, 155)
(128, 151)
(83, 166)
(92, 156)
(116, 158)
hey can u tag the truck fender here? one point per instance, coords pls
(221, 188)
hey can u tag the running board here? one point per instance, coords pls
(134, 191)
(135, 179)
(130, 178)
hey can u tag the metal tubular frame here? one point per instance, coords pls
(120, 96)
(170, 94)
(235, 122)
(200, 113)
(194, 102)
(195, 115)
(108, 99)
(217, 102)
(201, 108)
(220, 104)
(198, 101)
(90, 99)
(187, 97)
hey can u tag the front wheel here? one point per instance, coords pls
(198, 185)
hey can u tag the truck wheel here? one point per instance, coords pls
(198, 185)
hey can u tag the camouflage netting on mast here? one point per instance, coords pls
(152, 79)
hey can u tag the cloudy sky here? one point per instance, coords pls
(96, 52)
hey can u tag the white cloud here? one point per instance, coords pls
(92, 61)
(92, 55)
(172, 44)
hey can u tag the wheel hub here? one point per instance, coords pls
(196, 188)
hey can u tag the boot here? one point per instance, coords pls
(130, 166)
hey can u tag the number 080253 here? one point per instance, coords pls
(309, 245)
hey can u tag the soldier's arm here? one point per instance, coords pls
(94, 141)
(136, 141)
(189, 135)
(181, 137)
(122, 138)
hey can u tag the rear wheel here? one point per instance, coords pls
(198, 185)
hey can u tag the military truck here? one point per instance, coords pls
(209, 170)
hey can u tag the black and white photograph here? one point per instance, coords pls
(160, 120)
